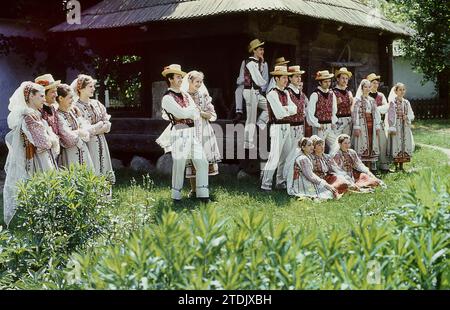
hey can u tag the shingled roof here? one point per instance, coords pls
(122, 13)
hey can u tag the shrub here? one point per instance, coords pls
(409, 250)
(58, 212)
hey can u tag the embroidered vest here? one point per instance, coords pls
(299, 101)
(324, 107)
(248, 81)
(183, 102)
(284, 102)
(343, 102)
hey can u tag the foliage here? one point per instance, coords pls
(58, 212)
(207, 251)
(429, 45)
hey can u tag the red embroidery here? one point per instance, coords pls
(248, 81)
(379, 100)
(284, 102)
(296, 171)
(183, 101)
(299, 101)
(324, 107)
(343, 103)
(51, 119)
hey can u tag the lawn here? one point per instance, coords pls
(433, 132)
(140, 199)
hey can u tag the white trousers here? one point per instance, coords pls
(280, 147)
(297, 133)
(253, 101)
(344, 125)
(329, 136)
(186, 146)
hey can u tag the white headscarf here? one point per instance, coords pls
(74, 86)
(192, 74)
(359, 92)
(15, 162)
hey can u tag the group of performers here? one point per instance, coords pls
(361, 133)
(54, 125)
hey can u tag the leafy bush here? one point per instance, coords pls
(409, 250)
(58, 212)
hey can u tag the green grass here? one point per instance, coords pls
(433, 132)
(232, 197)
(140, 204)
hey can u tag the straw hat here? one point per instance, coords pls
(280, 70)
(47, 81)
(323, 75)
(281, 61)
(372, 77)
(254, 44)
(343, 70)
(175, 69)
(295, 70)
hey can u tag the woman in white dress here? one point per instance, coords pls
(301, 179)
(98, 119)
(366, 120)
(400, 117)
(32, 145)
(194, 86)
(72, 136)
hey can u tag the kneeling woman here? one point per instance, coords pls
(72, 136)
(348, 161)
(325, 167)
(32, 145)
(301, 179)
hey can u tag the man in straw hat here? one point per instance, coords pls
(49, 108)
(280, 107)
(382, 107)
(254, 77)
(180, 109)
(280, 61)
(344, 98)
(322, 109)
(300, 100)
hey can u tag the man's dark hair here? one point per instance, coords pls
(169, 77)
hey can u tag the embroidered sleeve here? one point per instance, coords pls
(410, 112)
(67, 137)
(36, 134)
(377, 115)
(307, 170)
(292, 108)
(392, 116)
(210, 108)
(357, 163)
(169, 104)
(355, 115)
(384, 107)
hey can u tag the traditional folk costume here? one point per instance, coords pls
(352, 165)
(204, 132)
(278, 62)
(32, 145)
(280, 108)
(98, 124)
(73, 140)
(303, 182)
(366, 118)
(325, 168)
(322, 109)
(254, 76)
(181, 110)
(344, 100)
(401, 145)
(382, 107)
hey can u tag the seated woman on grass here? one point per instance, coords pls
(348, 161)
(302, 182)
